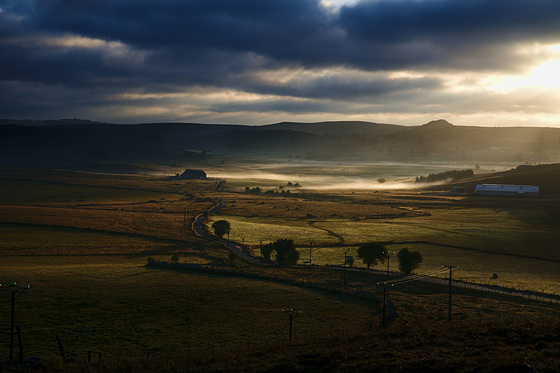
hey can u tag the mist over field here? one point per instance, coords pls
(319, 175)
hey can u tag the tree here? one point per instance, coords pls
(372, 253)
(409, 260)
(221, 227)
(286, 252)
(267, 250)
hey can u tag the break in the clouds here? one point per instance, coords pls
(485, 62)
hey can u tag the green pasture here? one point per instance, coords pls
(256, 230)
(115, 306)
(522, 232)
(33, 192)
(522, 246)
(517, 272)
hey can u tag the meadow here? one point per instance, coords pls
(520, 244)
(82, 241)
(115, 306)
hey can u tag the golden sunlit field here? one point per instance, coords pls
(82, 241)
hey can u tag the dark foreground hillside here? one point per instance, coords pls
(500, 346)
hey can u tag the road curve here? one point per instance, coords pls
(198, 229)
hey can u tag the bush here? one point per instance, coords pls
(221, 227)
(408, 260)
(372, 253)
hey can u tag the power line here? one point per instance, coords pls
(413, 277)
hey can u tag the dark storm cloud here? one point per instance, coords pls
(454, 34)
(171, 45)
(344, 88)
(376, 34)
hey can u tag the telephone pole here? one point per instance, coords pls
(385, 293)
(451, 268)
(16, 292)
(346, 250)
(293, 313)
(388, 259)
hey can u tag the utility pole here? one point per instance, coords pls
(344, 269)
(384, 309)
(451, 268)
(16, 292)
(293, 313)
(388, 259)
(310, 245)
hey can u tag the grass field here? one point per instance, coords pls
(520, 244)
(30, 193)
(81, 240)
(113, 305)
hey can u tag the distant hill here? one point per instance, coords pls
(61, 142)
(339, 128)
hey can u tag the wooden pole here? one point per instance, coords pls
(20, 345)
(384, 306)
(60, 347)
(12, 326)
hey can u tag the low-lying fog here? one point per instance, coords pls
(328, 175)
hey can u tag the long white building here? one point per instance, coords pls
(506, 190)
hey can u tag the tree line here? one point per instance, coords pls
(371, 253)
(453, 175)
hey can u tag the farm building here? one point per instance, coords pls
(193, 174)
(506, 190)
(459, 190)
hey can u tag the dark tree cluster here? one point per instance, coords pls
(453, 175)
(283, 193)
(221, 227)
(409, 260)
(286, 252)
(372, 253)
(255, 190)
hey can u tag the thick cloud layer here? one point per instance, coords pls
(102, 58)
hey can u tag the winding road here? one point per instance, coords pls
(198, 229)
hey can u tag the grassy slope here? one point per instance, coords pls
(85, 299)
(113, 305)
(504, 345)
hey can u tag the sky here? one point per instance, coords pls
(471, 62)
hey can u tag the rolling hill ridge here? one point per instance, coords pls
(71, 142)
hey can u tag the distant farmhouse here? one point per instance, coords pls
(506, 190)
(459, 190)
(193, 174)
